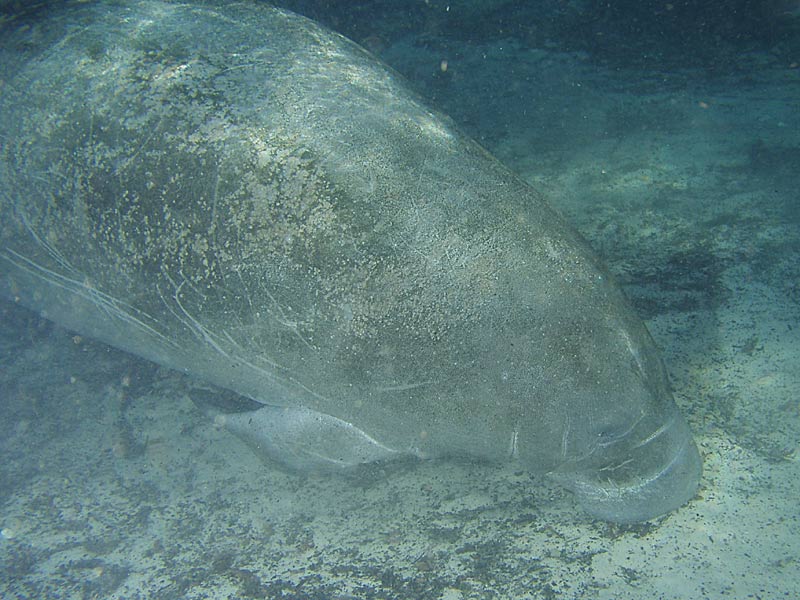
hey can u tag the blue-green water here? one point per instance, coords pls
(670, 137)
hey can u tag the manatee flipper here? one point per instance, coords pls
(298, 438)
(304, 439)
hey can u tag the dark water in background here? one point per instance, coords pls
(669, 134)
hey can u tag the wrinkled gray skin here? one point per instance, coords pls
(242, 195)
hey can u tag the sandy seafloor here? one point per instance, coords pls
(114, 485)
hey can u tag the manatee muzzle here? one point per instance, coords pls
(656, 475)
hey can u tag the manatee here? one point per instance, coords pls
(234, 192)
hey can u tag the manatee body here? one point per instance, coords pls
(235, 192)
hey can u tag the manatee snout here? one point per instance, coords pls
(640, 477)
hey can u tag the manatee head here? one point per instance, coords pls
(564, 380)
(517, 345)
(614, 434)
